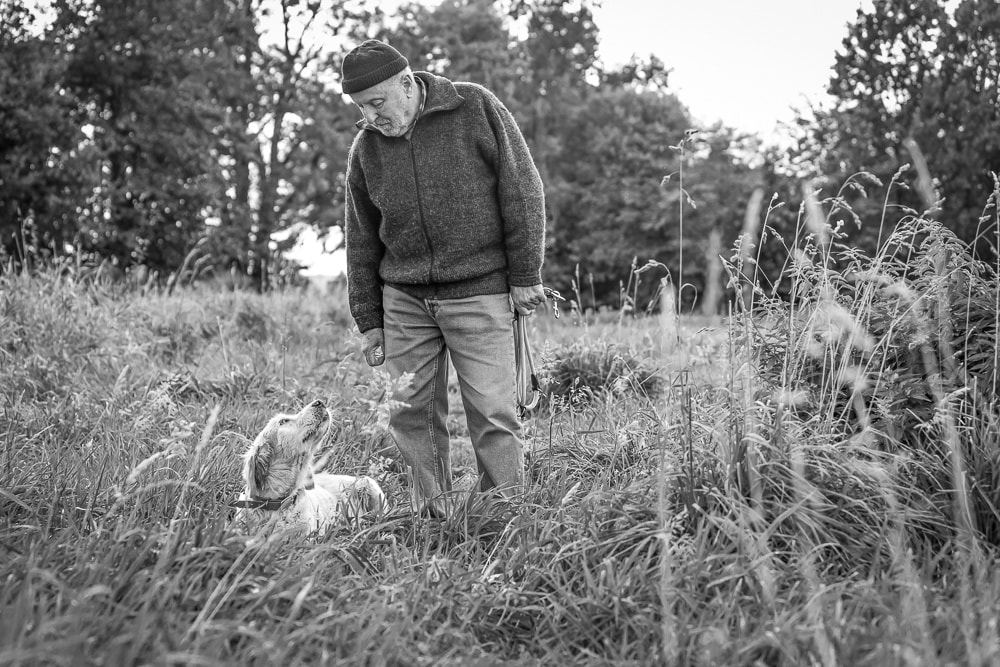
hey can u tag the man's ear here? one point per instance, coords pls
(258, 466)
(408, 84)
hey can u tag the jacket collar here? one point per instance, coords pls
(439, 95)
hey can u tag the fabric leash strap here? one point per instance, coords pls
(527, 382)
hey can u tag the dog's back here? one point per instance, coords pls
(356, 496)
(332, 499)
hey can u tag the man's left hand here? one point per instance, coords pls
(526, 298)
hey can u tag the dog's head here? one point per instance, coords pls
(279, 461)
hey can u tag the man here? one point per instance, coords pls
(445, 232)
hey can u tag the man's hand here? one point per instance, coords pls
(526, 298)
(374, 346)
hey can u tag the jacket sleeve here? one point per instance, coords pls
(364, 248)
(522, 199)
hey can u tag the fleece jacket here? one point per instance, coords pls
(454, 209)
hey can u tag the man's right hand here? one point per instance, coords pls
(374, 347)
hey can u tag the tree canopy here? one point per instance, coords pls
(914, 82)
(206, 134)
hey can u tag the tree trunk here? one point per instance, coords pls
(268, 201)
(713, 273)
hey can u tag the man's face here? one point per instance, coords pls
(388, 105)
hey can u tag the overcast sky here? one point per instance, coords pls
(745, 62)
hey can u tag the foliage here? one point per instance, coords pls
(287, 140)
(36, 132)
(157, 130)
(583, 371)
(463, 41)
(142, 103)
(719, 180)
(201, 138)
(609, 197)
(915, 82)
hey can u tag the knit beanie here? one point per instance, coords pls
(369, 64)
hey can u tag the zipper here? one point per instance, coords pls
(420, 209)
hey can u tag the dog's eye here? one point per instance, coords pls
(283, 421)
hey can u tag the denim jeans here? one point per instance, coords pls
(476, 333)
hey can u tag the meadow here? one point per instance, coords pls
(812, 480)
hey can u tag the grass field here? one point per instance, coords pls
(815, 485)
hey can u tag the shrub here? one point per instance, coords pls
(587, 369)
(897, 354)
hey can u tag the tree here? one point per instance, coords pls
(194, 125)
(612, 206)
(649, 74)
(39, 191)
(286, 133)
(137, 72)
(560, 54)
(463, 40)
(963, 115)
(911, 74)
(719, 181)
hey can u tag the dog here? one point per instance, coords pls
(282, 490)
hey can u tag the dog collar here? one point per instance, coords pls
(266, 504)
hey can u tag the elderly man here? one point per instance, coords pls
(445, 232)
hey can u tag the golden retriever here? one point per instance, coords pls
(282, 490)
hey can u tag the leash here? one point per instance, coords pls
(528, 390)
(268, 505)
(524, 368)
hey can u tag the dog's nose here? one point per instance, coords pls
(317, 404)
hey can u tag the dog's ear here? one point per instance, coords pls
(259, 465)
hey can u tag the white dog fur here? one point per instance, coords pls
(281, 488)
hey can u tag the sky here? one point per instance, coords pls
(744, 62)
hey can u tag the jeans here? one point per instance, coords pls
(477, 334)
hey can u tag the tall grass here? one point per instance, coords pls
(813, 483)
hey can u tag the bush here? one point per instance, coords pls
(586, 369)
(896, 354)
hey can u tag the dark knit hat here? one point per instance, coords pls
(369, 64)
